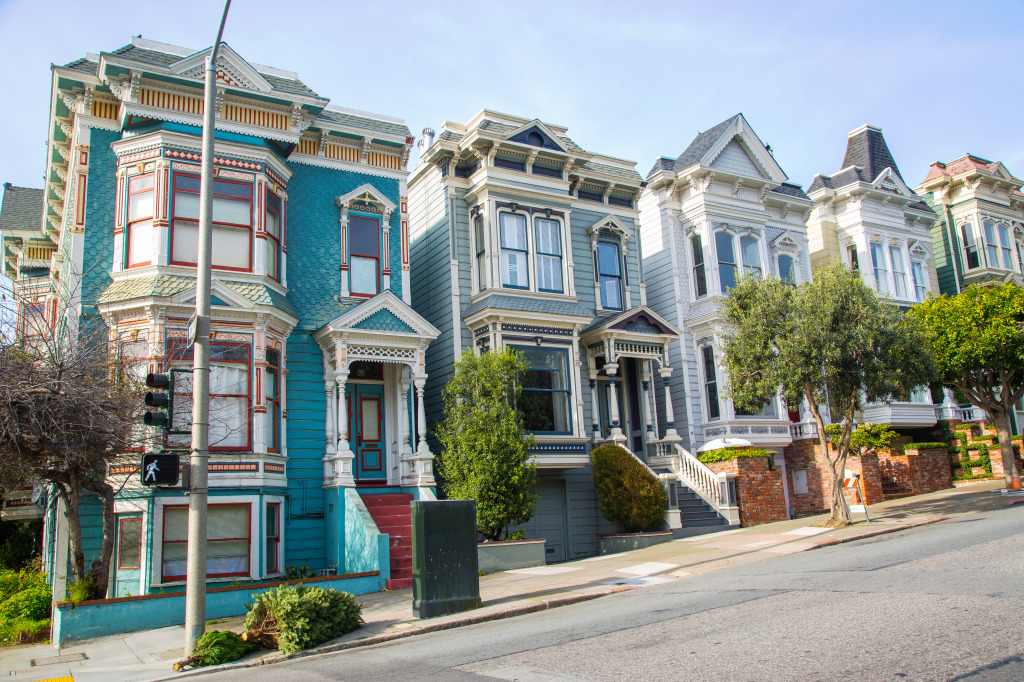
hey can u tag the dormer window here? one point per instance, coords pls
(534, 138)
(364, 256)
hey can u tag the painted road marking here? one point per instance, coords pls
(649, 568)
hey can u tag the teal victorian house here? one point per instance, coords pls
(318, 357)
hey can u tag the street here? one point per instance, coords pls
(939, 602)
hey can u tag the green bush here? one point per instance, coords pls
(25, 601)
(629, 494)
(726, 454)
(217, 647)
(12, 582)
(924, 446)
(300, 617)
(32, 603)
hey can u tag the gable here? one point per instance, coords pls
(232, 69)
(734, 159)
(890, 181)
(536, 137)
(642, 323)
(384, 320)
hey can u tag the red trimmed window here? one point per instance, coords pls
(364, 256)
(230, 395)
(272, 227)
(129, 544)
(232, 223)
(273, 534)
(272, 394)
(227, 541)
(139, 234)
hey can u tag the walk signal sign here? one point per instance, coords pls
(160, 469)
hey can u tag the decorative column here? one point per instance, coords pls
(331, 451)
(424, 470)
(343, 460)
(408, 466)
(595, 407)
(670, 433)
(344, 248)
(646, 384)
(613, 404)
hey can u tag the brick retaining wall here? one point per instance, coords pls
(758, 489)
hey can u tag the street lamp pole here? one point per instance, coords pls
(195, 582)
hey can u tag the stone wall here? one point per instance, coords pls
(758, 489)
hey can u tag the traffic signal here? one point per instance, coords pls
(160, 400)
(160, 469)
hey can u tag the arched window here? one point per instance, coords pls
(535, 138)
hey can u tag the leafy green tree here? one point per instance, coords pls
(486, 449)
(977, 338)
(832, 342)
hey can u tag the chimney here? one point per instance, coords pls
(428, 139)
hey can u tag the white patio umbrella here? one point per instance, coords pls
(719, 443)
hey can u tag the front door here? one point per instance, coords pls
(366, 429)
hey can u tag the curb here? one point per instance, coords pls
(517, 610)
(880, 531)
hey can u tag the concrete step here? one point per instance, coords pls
(704, 522)
(706, 516)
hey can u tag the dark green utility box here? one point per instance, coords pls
(445, 574)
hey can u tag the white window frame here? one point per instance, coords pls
(156, 548)
(705, 380)
(741, 267)
(878, 266)
(695, 250)
(966, 230)
(920, 287)
(899, 274)
(538, 255)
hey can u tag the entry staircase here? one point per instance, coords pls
(392, 514)
(705, 501)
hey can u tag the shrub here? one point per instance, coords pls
(32, 603)
(299, 617)
(725, 454)
(629, 494)
(25, 601)
(216, 647)
(300, 572)
(925, 446)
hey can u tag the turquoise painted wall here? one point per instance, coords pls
(100, 204)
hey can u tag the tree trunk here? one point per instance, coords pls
(839, 516)
(1002, 423)
(72, 497)
(101, 567)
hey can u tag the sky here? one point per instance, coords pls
(633, 80)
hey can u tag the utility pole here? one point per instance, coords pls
(195, 582)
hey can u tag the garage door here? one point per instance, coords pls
(549, 520)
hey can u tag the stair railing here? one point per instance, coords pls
(718, 490)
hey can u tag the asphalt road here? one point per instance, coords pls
(940, 602)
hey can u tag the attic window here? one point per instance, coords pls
(535, 139)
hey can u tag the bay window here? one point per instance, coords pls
(766, 412)
(272, 396)
(609, 275)
(878, 265)
(699, 276)
(751, 256)
(272, 226)
(139, 233)
(920, 288)
(273, 537)
(710, 382)
(899, 277)
(230, 395)
(1004, 245)
(726, 261)
(991, 245)
(515, 272)
(364, 256)
(971, 257)
(481, 256)
(232, 223)
(548, 238)
(227, 541)
(545, 398)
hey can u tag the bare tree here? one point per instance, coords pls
(67, 412)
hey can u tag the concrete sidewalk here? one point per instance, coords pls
(149, 655)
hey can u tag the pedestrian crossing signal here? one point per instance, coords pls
(160, 469)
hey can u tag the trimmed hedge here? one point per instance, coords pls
(726, 454)
(925, 446)
(630, 496)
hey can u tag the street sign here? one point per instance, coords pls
(160, 469)
(191, 338)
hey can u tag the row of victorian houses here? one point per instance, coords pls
(346, 285)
